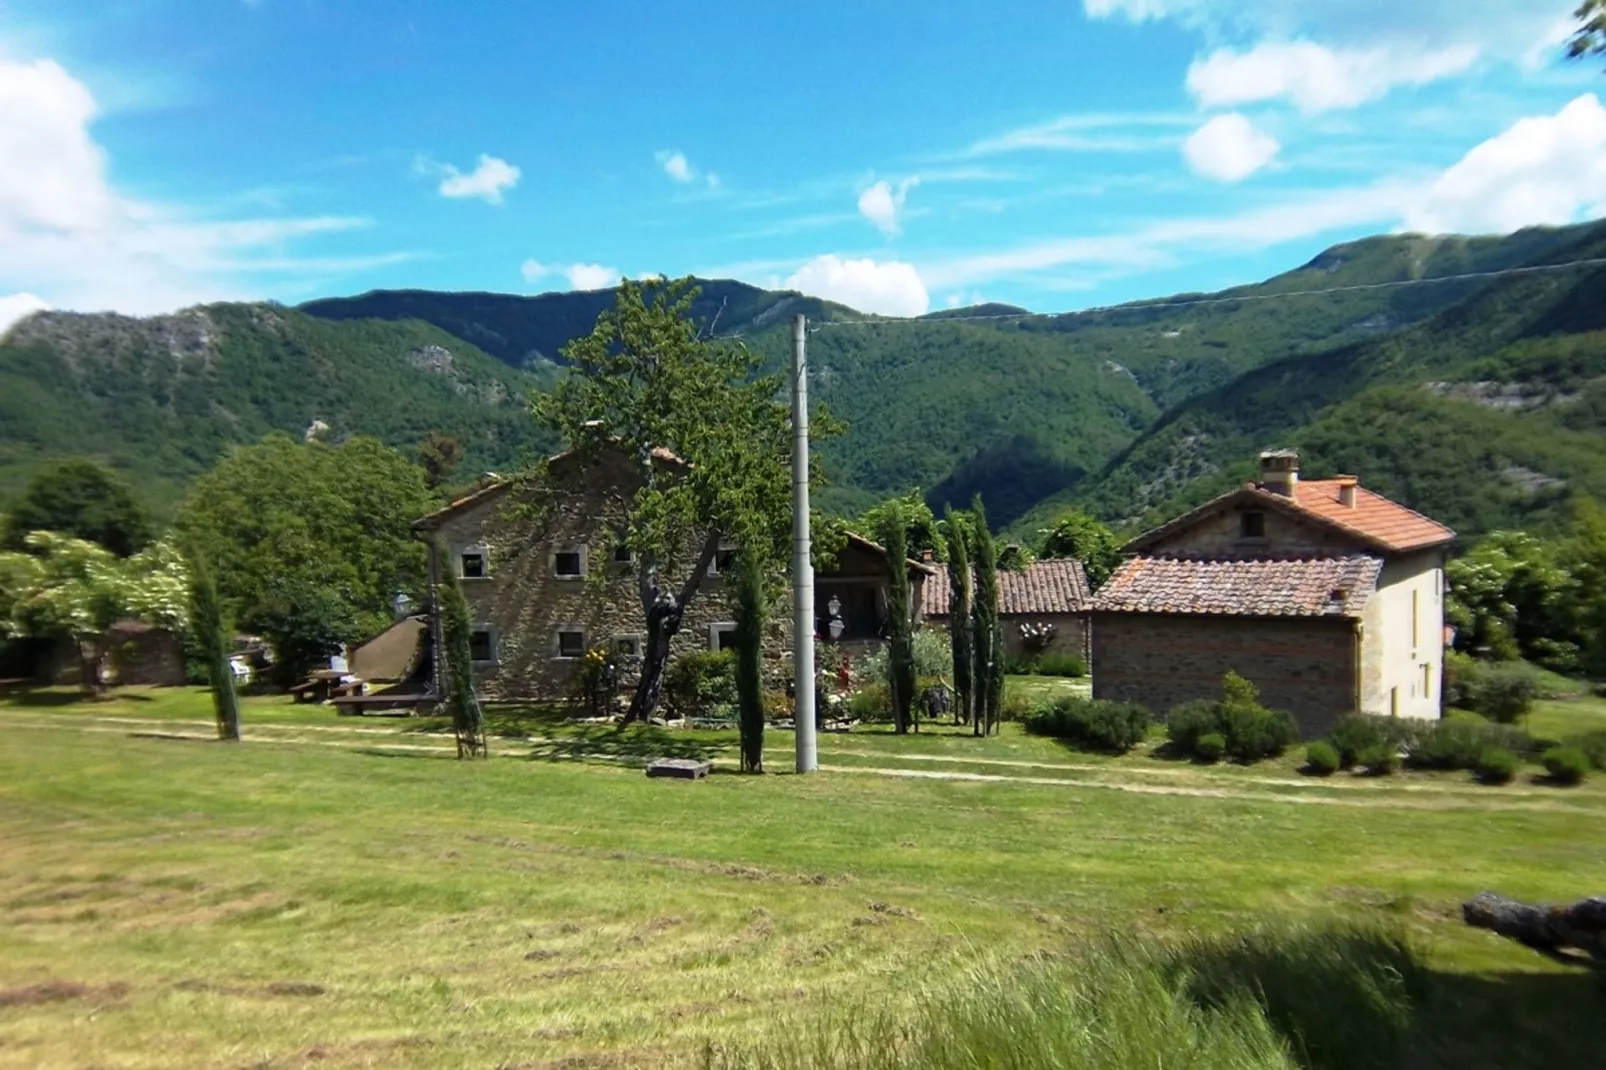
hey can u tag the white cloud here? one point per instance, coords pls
(1504, 29)
(592, 276)
(679, 168)
(1547, 169)
(1316, 78)
(1229, 148)
(881, 204)
(69, 237)
(532, 270)
(888, 288)
(1082, 133)
(487, 181)
(14, 307)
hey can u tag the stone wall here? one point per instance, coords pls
(1305, 666)
(1070, 632)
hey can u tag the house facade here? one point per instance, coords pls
(1044, 608)
(1329, 597)
(546, 579)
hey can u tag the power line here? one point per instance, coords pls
(1166, 302)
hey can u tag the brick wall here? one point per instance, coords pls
(1070, 632)
(1305, 666)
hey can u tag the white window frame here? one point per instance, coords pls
(484, 554)
(557, 642)
(496, 643)
(726, 546)
(568, 548)
(635, 637)
(717, 629)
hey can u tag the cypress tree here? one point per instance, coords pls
(211, 630)
(989, 679)
(960, 634)
(468, 722)
(750, 614)
(900, 642)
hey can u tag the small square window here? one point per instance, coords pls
(1254, 525)
(623, 555)
(566, 563)
(722, 637)
(571, 644)
(481, 645)
(627, 646)
(724, 559)
(471, 565)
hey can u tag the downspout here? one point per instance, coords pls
(1358, 659)
(437, 651)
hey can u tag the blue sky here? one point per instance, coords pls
(894, 156)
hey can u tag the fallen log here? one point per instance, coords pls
(1553, 929)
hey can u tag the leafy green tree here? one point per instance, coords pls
(645, 381)
(989, 642)
(900, 653)
(310, 543)
(1590, 40)
(439, 454)
(960, 626)
(921, 533)
(462, 704)
(752, 605)
(1077, 535)
(1585, 549)
(73, 589)
(1511, 597)
(82, 499)
(210, 629)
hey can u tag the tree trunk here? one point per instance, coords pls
(91, 664)
(664, 613)
(1550, 929)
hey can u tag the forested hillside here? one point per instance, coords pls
(1478, 399)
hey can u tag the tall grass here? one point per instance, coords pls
(1277, 999)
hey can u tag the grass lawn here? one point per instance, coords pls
(338, 892)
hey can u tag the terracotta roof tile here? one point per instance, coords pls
(1056, 586)
(1241, 587)
(1387, 523)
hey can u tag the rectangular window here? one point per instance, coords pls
(624, 555)
(1394, 702)
(1254, 525)
(1427, 680)
(567, 563)
(482, 646)
(1416, 618)
(627, 647)
(722, 636)
(471, 564)
(724, 558)
(571, 644)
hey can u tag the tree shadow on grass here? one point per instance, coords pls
(504, 722)
(375, 752)
(634, 745)
(53, 698)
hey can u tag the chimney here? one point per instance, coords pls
(1279, 471)
(1346, 490)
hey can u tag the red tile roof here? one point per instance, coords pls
(1044, 587)
(1241, 587)
(1374, 521)
(1389, 524)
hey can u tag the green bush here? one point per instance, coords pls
(698, 683)
(1459, 743)
(1210, 748)
(1051, 663)
(1566, 765)
(1355, 732)
(1496, 765)
(1593, 744)
(1015, 707)
(871, 703)
(1379, 760)
(1322, 758)
(1091, 724)
(1256, 733)
(1502, 691)
(1189, 721)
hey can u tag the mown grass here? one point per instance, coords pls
(321, 895)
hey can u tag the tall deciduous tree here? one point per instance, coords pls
(1076, 535)
(82, 499)
(439, 454)
(961, 631)
(752, 603)
(900, 643)
(462, 704)
(1590, 40)
(310, 543)
(210, 629)
(989, 677)
(76, 590)
(1585, 549)
(645, 381)
(920, 527)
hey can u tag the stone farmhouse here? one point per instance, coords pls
(546, 580)
(1048, 598)
(1330, 598)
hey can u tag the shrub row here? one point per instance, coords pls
(1051, 663)
(1242, 728)
(1092, 724)
(1493, 752)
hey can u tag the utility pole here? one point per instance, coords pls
(802, 564)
